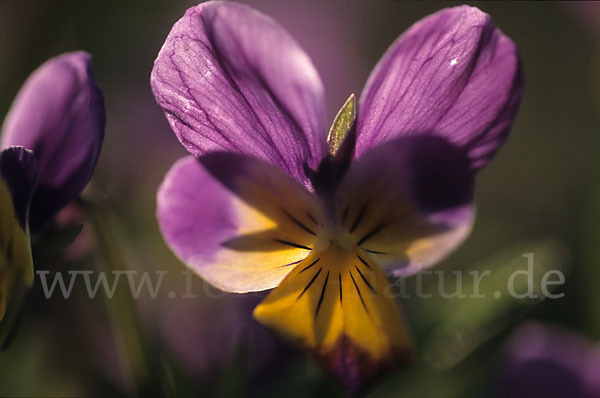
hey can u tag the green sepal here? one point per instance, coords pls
(341, 125)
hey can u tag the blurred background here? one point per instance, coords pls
(541, 194)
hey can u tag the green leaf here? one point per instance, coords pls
(341, 125)
(467, 323)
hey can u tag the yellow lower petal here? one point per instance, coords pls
(338, 305)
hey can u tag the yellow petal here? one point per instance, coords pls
(15, 250)
(338, 305)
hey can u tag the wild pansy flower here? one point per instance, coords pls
(266, 201)
(51, 140)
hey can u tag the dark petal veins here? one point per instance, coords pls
(292, 244)
(340, 282)
(310, 265)
(298, 223)
(362, 260)
(322, 295)
(311, 282)
(359, 293)
(370, 234)
(360, 216)
(365, 279)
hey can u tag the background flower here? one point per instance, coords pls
(59, 115)
(545, 361)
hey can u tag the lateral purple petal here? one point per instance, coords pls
(408, 203)
(193, 210)
(18, 169)
(453, 74)
(229, 78)
(229, 217)
(59, 115)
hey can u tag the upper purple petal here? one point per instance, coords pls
(230, 78)
(59, 115)
(452, 74)
(18, 169)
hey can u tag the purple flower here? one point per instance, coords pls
(263, 204)
(59, 115)
(51, 140)
(543, 361)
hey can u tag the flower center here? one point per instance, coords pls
(334, 235)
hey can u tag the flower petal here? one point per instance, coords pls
(342, 310)
(453, 74)
(230, 78)
(17, 178)
(240, 223)
(408, 203)
(59, 115)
